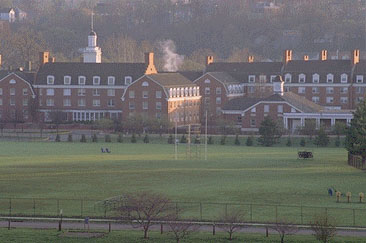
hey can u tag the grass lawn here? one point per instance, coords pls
(232, 174)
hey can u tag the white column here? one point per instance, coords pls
(317, 121)
(332, 121)
(348, 121)
(302, 120)
(285, 120)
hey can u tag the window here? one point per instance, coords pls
(280, 109)
(131, 105)
(344, 78)
(251, 79)
(288, 78)
(315, 99)
(67, 102)
(315, 90)
(67, 80)
(128, 80)
(359, 90)
(25, 91)
(359, 79)
(252, 123)
(251, 90)
(81, 92)
(67, 92)
(330, 90)
(50, 79)
(1, 91)
(262, 78)
(111, 103)
(25, 114)
(12, 81)
(50, 92)
(293, 110)
(344, 90)
(145, 94)
(330, 78)
(301, 90)
(12, 101)
(131, 94)
(50, 102)
(96, 80)
(266, 108)
(158, 105)
(96, 103)
(316, 78)
(82, 80)
(207, 91)
(218, 100)
(207, 81)
(111, 80)
(253, 110)
(145, 84)
(12, 91)
(96, 92)
(81, 102)
(25, 102)
(1, 101)
(207, 101)
(344, 100)
(158, 94)
(145, 105)
(302, 78)
(329, 100)
(273, 78)
(111, 92)
(218, 90)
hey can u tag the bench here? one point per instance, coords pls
(305, 154)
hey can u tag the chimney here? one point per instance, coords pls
(52, 59)
(28, 66)
(44, 57)
(149, 61)
(278, 85)
(324, 55)
(287, 56)
(306, 58)
(355, 57)
(250, 59)
(0, 61)
(209, 60)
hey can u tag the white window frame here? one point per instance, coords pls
(158, 94)
(50, 92)
(279, 108)
(344, 78)
(288, 78)
(68, 103)
(128, 80)
(96, 80)
(207, 91)
(111, 80)
(329, 100)
(302, 78)
(131, 94)
(145, 96)
(67, 80)
(251, 79)
(273, 77)
(50, 79)
(67, 92)
(359, 79)
(145, 105)
(330, 78)
(266, 108)
(81, 80)
(301, 90)
(344, 100)
(329, 90)
(315, 90)
(1, 91)
(316, 78)
(218, 101)
(81, 102)
(25, 91)
(96, 102)
(315, 99)
(111, 92)
(96, 92)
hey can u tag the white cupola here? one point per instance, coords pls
(92, 53)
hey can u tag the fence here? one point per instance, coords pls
(356, 161)
(196, 211)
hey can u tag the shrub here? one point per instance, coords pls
(83, 139)
(249, 141)
(170, 139)
(107, 138)
(223, 140)
(210, 140)
(322, 138)
(183, 139)
(58, 139)
(289, 142)
(337, 142)
(94, 138)
(302, 142)
(120, 138)
(133, 138)
(146, 139)
(69, 137)
(197, 140)
(237, 141)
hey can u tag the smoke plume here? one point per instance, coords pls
(172, 60)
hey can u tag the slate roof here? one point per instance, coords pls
(360, 68)
(245, 67)
(224, 77)
(5, 10)
(103, 70)
(27, 76)
(240, 104)
(318, 66)
(191, 75)
(171, 80)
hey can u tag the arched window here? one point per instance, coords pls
(288, 78)
(330, 78)
(207, 81)
(145, 84)
(344, 78)
(128, 80)
(316, 78)
(302, 78)
(12, 81)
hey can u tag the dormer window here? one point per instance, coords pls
(273, 78)
(96, 80)
(128, 80)
(145, 84)
(251, 79)
(67, 80)
(359, 79)
(207, 81)
(111, 80)
(302, 78)
(316, 78)
(344, 78)
(288, 78)
(81, 80)
(330, 78)
(50, 79)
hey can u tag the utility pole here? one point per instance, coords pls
(175, 140)
(206, 137)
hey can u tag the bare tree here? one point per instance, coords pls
(283, 227)
(231, 221)
(180, 230)
(143, 208)
(324, 227)
(58, 117)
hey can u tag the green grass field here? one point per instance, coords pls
(232, 174)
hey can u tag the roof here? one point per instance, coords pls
(360, 68)
(5, 10)
(318, 66)
(223, 77)
(27, 76)
(245, 67)
(171, 79)
(240, 104)
(191, 75)
(103, 70)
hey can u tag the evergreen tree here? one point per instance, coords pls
(170, 139)
(223, 140)
(237, 141)
(94, 138)
(146, 138)
(58, 138)
(107, 138)
(322, 138)
(120, 138)
(270, 132)
(183, 139)
(302, 142)
(210, 140)
(133, 138)
(337, 142)
(83, 139)
(69, 137)
(249, 141)
(197, 140)
(356, 133)
(289, 142)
